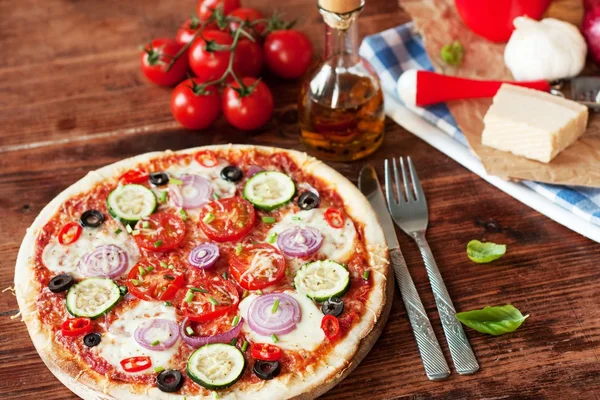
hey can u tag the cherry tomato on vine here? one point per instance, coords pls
(288, 53)
(186, 31)
(206, 59)
(193, 106)
(156, 58)
(248, 107)
(248, 58)
(249, 15)
(204, 8)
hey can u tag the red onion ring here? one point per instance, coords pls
(253, 170)
(106, 261)
(198, 341)
(195, 191)
(264, 321)
(142, 332)
(299, 242)
(204, 256)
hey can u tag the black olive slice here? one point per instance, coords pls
(267, 370)
(91, 219)
(92, 339)
(333, 306)
(169, 380)
(232, 173)
(308, 200)
(60, 283)
(158, 178)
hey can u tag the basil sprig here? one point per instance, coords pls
(496, 320)
(484, 252)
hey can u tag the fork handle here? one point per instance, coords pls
(460, 349)
(435, 364)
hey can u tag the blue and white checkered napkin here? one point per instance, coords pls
(398, 49)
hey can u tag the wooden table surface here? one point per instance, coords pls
(72, 99)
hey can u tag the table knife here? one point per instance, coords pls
(434, 362)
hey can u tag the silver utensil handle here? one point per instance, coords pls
(460, 349)
(435, 364)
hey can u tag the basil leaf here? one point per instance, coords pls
(496, 320)
(484, 252)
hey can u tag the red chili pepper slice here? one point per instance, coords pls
(135, 364)
(334, 218)
(76, 326)
(69, 233)
(331, 327)
(134, 176)
(265, 352)
(206, 158)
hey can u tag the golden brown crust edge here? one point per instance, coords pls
(347, 354)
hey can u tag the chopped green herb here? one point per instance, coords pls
(183, 214)
(158, 243)
(240, 224)
(155, 343)
(208, 218)
(163, 264)
(295, 218)
(216, 196)
(453, 53)
(145, 224)
(163, 196)
(168, 304)
(287, 272)
(135, 282)
(235, 321)
(274, 338)
(189, 331)
(123, 290)
(245, 294)
(366, 275)
(213, 301)
(119, 231)
(233, 341)
(189, 296)
(268, 220)
(275, 306)
(216, 395)
(128, 229)
(238, 249)
(201, 290)
(245, 346)
(175, 181)
(135, 232)
(141, 271)
(272, 237)
(171, 267)
(169, 277)
(259, 292)
(149, 268)
(159, 369)
(224, 275)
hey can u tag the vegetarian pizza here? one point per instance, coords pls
(225, 271)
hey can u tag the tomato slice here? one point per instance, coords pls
(257, 266)
(69, 233)
(150, 281)
(134, 176)
(265, 352)
(136, 364)
(209, 298)
(206, 158)
(76, 326)
(227, 219)
(159, 232)
(331, 327)
(334, 218)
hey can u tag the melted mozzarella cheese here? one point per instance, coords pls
(338, 243)
(220, 186)
(118, 343)
(64, 258)
(307, 335)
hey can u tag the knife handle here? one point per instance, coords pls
(432, 356)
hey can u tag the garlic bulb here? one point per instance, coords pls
(544, 50)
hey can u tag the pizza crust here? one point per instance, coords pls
(88, 384)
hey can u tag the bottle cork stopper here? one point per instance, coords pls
(340, 6)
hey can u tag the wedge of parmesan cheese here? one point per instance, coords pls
(533, 124)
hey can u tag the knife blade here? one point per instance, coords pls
(434, 362)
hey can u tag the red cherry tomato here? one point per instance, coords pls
(159, 232)
(334, 218)
(69, 233)
(149, 281)
(227, 219)
(187, 30)
(76, 326)
(209, 298)
(331, 327)
(193, 108)
(249, 15)
(257, 266)
(248, 58)
(134, 176)
(249, 110)
(136, 364)
(288, 53)
(204, 8)
(206, 158)
(265, 352)
(207, 62)
(155, 59)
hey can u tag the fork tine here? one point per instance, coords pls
(420, 196)
(401, 198)
(389, 194)
(407, 190)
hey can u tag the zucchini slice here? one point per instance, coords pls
(216, 365)
(130, 203)
(269, 190)
(92, 297)
(321, 280)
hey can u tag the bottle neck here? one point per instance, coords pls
(342, 42)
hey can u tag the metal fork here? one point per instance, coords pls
(409, 212)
